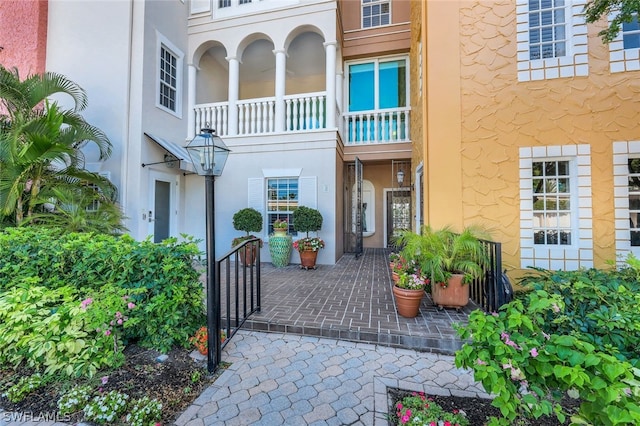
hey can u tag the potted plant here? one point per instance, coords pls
(248, 220)
(408, 292)
(306, 219)
(448, 259)
(280, 226)
(280, 244)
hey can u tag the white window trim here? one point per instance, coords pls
(376, 80)
(163, 41)
(622, 151)
(574, 64)
(580, 253)
(362, 5)
(621, 59)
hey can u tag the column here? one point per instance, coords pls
(191, 102)
(281, 78)
(330, 76)
(234, 89)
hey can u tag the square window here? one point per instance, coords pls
(375, 13)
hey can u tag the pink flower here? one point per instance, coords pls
(86, 302)
(104, 379)
(120, 321)
(107, 332)
(405, 418)
(447, 423)
(131, 305)
(534, 352)
(433, 424)
(480, 362)
(399, 406)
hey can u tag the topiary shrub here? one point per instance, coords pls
(306, 219)
(247, 220)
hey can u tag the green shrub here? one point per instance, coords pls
(571, 336)
(160, 278)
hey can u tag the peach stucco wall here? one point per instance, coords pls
(359, 42)
(479, 115)
(23, 31)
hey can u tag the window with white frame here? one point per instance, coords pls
(634, 201)
(282, 200)
(631, 34)
(169, 77)
(551, 202)
(378, 84)
(556, 222)
(376, 13)
(547, 29)
(624, 50)
(552, 39)
(224, 3)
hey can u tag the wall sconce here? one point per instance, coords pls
(170, 161)
(400, 177)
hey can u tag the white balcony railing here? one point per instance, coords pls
(382, 126)
(304, 112)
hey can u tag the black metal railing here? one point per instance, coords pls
(237, 275)
(493, 289)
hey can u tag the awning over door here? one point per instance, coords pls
(179, 152)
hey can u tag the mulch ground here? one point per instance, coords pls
(175, 382)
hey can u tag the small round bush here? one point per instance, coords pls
(248, 220)
(306, 219)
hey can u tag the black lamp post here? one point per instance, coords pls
(209, 154)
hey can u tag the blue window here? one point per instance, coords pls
(631, 34)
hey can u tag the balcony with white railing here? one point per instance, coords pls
(375, 127)
(302, 113)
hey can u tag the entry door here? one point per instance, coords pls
(162, 211)
(398, 214)
(353, 225)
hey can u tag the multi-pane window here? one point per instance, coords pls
(547, 29)
(551, 203)
(631, 34)
(168, 79)
(224, 3)
(634, 200)
(378, 85)
(375, 13)
(245, 1)
(282, 200)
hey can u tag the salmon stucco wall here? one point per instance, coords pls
(23, 35)
(500, 115)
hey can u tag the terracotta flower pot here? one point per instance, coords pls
(308, 259)
(407, 301)
(395, 276)
(454, 295)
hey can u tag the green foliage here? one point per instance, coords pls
(106, 408)
(602, 306)
(417, 409)
(25, 385)
(40, 154)
(144, 411)
(625, 11)
(248, 220)
(439, 253)
(306, 219)
(74, 400)
(160, 278)
(573, 335)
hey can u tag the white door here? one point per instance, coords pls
(162, 214)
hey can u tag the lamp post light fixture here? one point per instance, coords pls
(209, 155)
(400, 177)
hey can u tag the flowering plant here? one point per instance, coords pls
(308, 244)
(411, 281)
(201, 337)
(403, 266)
(418, 409)
(280, 224)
